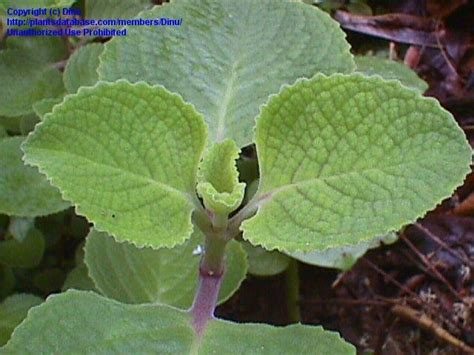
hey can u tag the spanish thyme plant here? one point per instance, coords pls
(148, 155)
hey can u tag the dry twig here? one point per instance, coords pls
(425, 322)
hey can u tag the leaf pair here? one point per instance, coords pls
(342, 159)
(99, 325)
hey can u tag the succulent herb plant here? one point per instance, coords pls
(147, 151)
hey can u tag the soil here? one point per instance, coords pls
(415, 296)
(412, 297)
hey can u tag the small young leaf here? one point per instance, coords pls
(25, 192)
(81, 68)
(344, 257)
(12, 311)
(218, 179)
(26, 65)
(390, 69)
(263, 262)
(132, 168)
(26, 253)
(242, 51)
(169, 276)
(346, 158)
(93, 324)
(79, 279)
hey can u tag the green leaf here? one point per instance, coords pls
(251, 190)
(228, 56)
(28, 123)
(12, 311)
(49, 280)
(26, 253)
(390, 69)
(132, 168)
(233, 338)
(360, 8)
(109, 9)
(7, 281)
(218, 179)
(81, 68)
(346, 158)
(344, 257)
(25, 192)
(27, 66)
(3, 132)
(93, 324)
(79, 279)
(45, 106)
(131, 275)
(263, 262)
(11, 124)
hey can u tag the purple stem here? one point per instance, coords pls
(206, 300)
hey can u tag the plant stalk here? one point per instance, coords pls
(211, 273)
(205, 301)
(212, 262)
(293, 291)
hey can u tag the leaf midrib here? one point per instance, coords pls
(268, 195)
(226, 99)
(228, 93)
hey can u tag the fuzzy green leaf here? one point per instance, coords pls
(79, 279)
(93, 324)
(128, 274)
(109, 9)
(263, 262)
(390, 69)
(81, 68)
(23, 190)
(12, 311)
(232, 54)
(28, 74)
(346, 158)
(132, 168)
(218, 179)
(344, 257)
